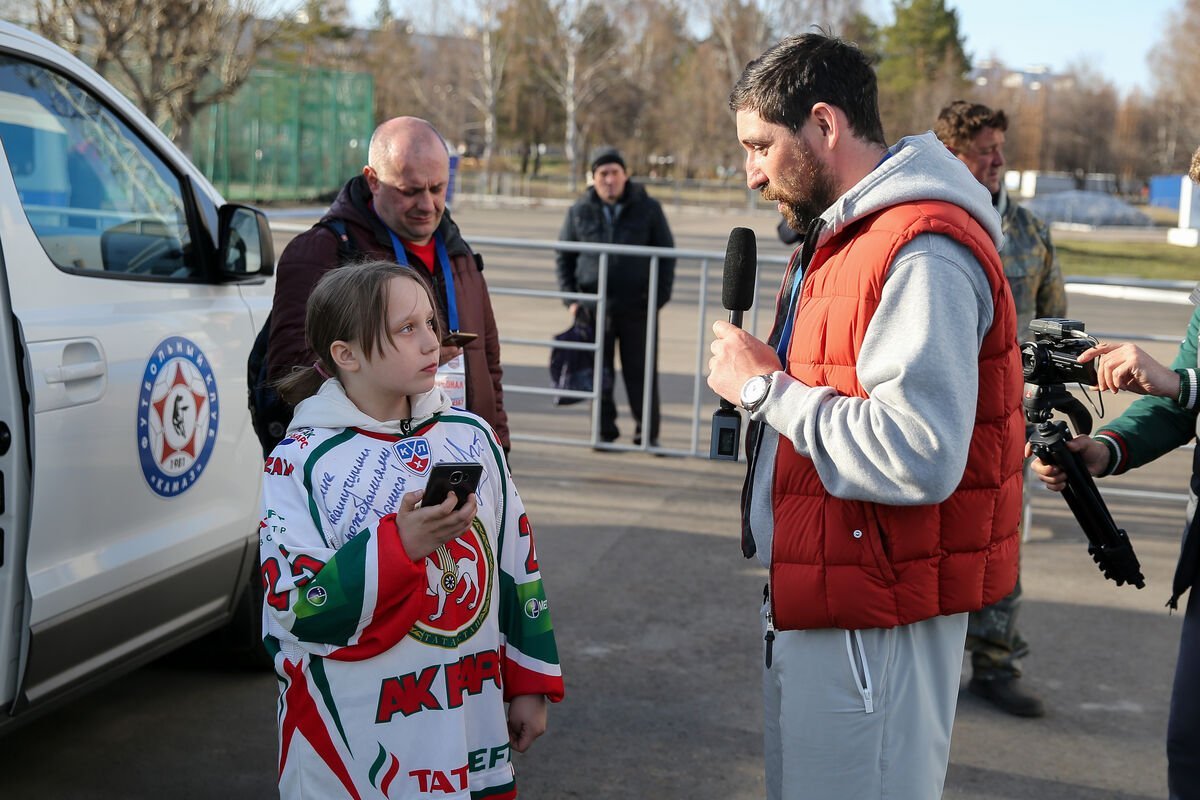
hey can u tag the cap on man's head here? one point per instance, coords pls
(606, 155)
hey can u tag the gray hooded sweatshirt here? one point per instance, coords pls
(906, 442)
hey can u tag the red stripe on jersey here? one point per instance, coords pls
(301, 716)
(386, 783)
(519, 680)
(399, 597)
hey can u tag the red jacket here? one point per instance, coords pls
(307, 257)
(851, 564)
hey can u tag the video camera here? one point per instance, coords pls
(1049, 362)
(1051, 357)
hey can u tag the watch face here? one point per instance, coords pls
(754, 391)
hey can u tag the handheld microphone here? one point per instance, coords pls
(737, 281)
(737, 295)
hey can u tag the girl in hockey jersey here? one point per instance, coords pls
(399, 632)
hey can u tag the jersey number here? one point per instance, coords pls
(525, 529)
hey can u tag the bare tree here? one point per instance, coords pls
(1083, 118)
(108, 26)
(741, 31)
(1175, 63)
(580, 52)
(484, 95)
(174, 57)
(1131, 139)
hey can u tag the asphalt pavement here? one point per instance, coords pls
(655, 613)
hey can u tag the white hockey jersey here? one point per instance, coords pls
(393, 674)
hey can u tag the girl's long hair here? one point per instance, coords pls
(348, 304)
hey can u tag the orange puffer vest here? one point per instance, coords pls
(850, 564)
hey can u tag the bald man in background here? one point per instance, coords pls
(396, 211)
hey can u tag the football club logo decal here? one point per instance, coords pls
(176, 416)
(414, 454)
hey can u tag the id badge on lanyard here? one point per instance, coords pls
(451, 376)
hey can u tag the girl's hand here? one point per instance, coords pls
(526, 720)
(423, 530)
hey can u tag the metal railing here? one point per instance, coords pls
(698, 415)
(704, 259)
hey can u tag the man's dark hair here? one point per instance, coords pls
(785, 82)
(960, 122)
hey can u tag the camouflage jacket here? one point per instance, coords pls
(1031, 267)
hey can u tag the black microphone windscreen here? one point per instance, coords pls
(741, 262)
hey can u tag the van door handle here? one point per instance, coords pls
(74, 372)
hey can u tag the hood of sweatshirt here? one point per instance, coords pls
(916, 168)
(331, 408)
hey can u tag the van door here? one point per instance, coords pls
(14, 499)
(144, 474)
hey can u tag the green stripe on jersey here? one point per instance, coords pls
(330, 606)
(380, 760)
(493, 791)
(316, 668)
(525, 619)
(311, 462)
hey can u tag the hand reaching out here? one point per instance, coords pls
(1127, 366)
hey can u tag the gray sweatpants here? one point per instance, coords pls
(859, 715)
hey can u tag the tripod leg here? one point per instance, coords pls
(1109, 545)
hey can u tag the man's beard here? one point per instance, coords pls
(806, 193)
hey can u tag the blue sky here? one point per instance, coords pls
(1110, 35)
(1113, 36)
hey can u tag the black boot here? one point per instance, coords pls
(1005, 692)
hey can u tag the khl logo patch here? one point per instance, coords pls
(413, 454)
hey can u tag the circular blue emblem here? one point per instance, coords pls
(176, 416)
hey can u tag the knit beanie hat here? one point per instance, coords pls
(606, 155)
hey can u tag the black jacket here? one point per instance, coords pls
(638, 219)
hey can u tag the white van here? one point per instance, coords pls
(130, 295)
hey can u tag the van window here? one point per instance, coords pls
(100, 200)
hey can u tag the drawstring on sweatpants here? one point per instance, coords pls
(862, 680)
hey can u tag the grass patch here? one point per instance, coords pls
(1129, 259)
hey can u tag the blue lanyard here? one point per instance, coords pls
(785, 336)
(439, 245)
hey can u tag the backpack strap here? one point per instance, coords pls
(346, 250)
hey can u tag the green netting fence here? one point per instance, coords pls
(287, 134)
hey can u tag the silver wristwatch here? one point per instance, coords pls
(754, 391)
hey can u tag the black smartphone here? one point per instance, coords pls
(462, 478)
(459, 338)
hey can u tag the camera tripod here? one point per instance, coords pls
(1108, 545)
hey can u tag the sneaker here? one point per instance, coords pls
(1006, 693)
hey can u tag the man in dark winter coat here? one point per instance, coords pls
(396, 210)
(615, 210)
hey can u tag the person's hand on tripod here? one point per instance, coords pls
(1095, 457)
(1124, 365)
